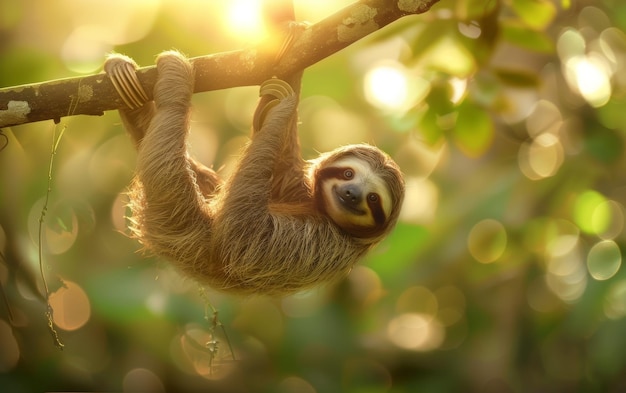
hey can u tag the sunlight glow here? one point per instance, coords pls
(314, 11)
(592, 79)
(244, 18)
(389, 86)
(99, 25)
(587, 70)
(386, 86)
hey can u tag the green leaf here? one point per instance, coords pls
(429, 129)
(429, 36)
(439, 98)
(474, 131)
(605, 145)
(486, 89)
(452, 57)
(520, 35)
(537, 14)
(612, 115)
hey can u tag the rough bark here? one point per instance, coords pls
(94, 94)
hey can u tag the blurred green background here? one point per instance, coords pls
(508, 118)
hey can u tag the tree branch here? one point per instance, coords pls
(94, 94)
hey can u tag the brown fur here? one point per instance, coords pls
(262, 231)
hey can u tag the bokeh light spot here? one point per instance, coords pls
(416, 332)
(470, 30)
(590, 77)
(614, 213)
(419, 300)
(71, 306)
(567, 276)
(604, 260)
(142, 380)
(487, 241)
(542, 157)
(561, 237)
(389, 86)
(420, 201)
(83, 48)
(386, 86)
(545, 118)
(207, 354)
(570, 44)
(60, 228)
(365, 286)
(591, 213)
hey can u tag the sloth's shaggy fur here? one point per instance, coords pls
(265, 230)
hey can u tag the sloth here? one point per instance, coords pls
(278, 224)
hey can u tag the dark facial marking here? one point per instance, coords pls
(373, 201)
(336, 173)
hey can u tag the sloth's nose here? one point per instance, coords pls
(351, 194)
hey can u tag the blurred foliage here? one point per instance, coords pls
(504, 273)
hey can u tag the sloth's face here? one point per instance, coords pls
(355, 197)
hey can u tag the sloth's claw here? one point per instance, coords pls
(277, 88)
(122, 73)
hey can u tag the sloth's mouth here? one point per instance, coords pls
(345, 204)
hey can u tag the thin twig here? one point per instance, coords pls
(49, 310)
(211, 315)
